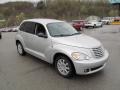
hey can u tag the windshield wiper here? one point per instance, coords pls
(61, 35)
(76, 33)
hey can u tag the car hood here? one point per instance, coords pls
(81, 40)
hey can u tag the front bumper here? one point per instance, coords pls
(92, 25)
(85, 67)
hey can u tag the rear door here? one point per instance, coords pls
(28, 32)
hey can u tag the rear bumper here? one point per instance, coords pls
(90, 66)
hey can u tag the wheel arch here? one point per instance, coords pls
(18, 41)
(59, 54)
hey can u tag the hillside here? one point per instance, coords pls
(15, 12)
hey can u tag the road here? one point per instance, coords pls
(29, 73)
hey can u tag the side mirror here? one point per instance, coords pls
(42, 35)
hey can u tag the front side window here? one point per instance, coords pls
(40, 29)
(59, 29)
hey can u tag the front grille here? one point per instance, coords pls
(98, 52)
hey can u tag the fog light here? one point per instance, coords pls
(86, 70)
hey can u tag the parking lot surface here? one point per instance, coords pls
(29, 73)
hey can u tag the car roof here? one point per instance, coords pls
(42, 21)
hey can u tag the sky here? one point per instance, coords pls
(4, 1)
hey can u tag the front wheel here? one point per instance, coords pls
(20, 49)
(64, 67)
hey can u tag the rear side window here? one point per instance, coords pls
(28, 27)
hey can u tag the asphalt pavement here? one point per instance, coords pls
(29, 73)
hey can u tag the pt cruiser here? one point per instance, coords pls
(58, 43)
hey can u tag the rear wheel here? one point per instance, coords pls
(101, 25)
(20, 49)
(94, 26)
(64, 67)
(107, 23)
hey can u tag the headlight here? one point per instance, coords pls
(80, 56)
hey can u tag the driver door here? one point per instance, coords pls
(41, 44)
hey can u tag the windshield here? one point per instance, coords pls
(60, 29)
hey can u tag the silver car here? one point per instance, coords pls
(58, 43)
(93, 23)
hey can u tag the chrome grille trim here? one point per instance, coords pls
(98, 52)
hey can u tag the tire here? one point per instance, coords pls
(20, 49)
(64, 67)
(107, 23)
(94, 26)
(0, 36)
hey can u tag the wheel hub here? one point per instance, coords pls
(63, 67)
